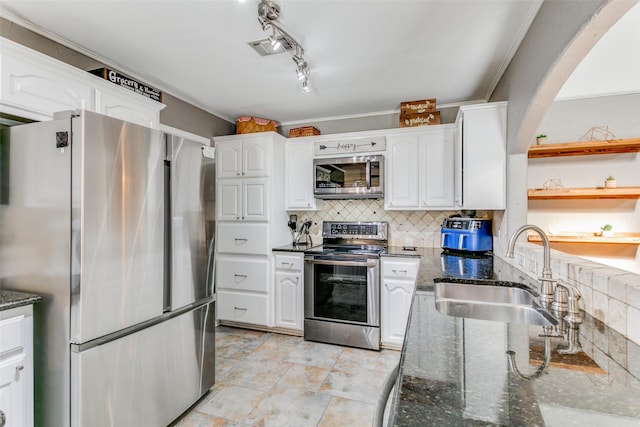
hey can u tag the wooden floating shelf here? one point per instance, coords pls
(584, 193)
(609, 146)
(620, 238)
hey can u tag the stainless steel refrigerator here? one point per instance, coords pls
(112, 224)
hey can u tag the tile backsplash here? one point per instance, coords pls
(406, 228)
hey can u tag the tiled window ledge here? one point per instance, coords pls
(609, 294)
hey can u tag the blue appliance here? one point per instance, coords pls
(467, 234)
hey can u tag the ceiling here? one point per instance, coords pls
(365, 56)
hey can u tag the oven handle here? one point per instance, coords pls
(365, 263)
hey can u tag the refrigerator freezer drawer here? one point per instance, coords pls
(243, 238)
(243, 307)
(147, 378)
(242, 273)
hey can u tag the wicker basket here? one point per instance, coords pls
(303, 131)
(248, 124)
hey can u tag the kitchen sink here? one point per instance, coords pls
(491, 302)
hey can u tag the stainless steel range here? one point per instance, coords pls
(342, 285)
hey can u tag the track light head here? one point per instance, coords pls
(268, 13)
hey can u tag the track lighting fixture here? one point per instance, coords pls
(268, 13)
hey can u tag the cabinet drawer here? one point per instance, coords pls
(242, 307)
(289, 262)
(400, 269)
(242, 273)
(243, 238)
(11, 334)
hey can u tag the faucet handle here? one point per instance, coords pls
(574, 294)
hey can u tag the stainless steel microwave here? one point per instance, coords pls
(356, 177)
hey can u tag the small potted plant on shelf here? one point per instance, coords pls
(541, 139)
(610, 182)
(607, 230)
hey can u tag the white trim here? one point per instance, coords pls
(184, 134)
(376, 113)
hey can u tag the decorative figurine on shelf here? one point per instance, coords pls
(610, 182)
(607, 230)
(552, 184)
(598, 133)
(541, 139)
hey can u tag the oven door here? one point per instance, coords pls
(342, 290)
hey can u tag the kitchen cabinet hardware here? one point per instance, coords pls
(240, 275)
(239, 308)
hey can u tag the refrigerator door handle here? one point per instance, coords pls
(211, 267)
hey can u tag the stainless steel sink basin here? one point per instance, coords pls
(488, 302)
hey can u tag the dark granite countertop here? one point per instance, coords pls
(12, 299)
(403, 251)
(455, 371)
(294, 248)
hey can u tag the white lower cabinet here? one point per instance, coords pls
(16, 366)
(398, 283)
(243, 307)
(289, 283)
(240, 273)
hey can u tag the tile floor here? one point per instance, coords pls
(267, 379)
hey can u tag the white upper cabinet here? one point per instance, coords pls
(111, 103)
(36, 86)
(421, 169)
(244, 157)
(482, 129)
(403, 165)
(243, 199)
(299, 175)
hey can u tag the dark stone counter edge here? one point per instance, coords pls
(12, 299)
(291, 248)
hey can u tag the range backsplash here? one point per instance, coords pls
(406, 228)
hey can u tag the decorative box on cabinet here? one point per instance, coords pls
(289, 285)
(16, 366)
(420, 169)
(398, 284)
(481, 152)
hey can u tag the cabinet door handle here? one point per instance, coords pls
(400, 271)
(240, 308)
(285, 264)
(240, 240)
(240, 275)
(19, 368)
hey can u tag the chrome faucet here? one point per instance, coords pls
(547, 290)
